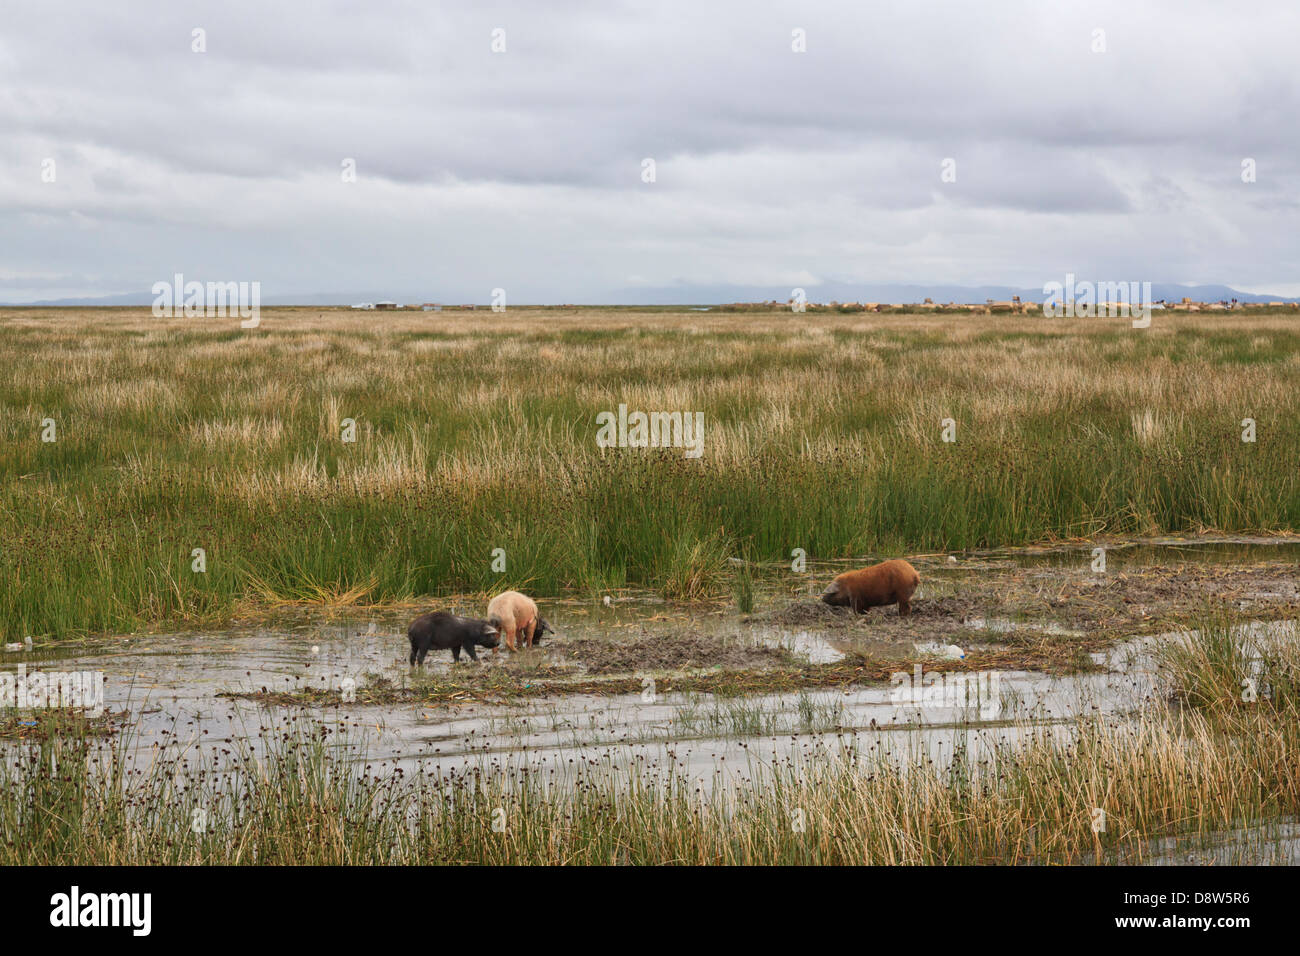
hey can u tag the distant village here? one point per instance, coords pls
(1013, 306)
(387, 306)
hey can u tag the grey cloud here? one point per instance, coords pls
(524, 168)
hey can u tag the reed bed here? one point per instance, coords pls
(477, 431)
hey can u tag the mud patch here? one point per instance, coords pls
(1037, 605)
(803, 613)
(669, 652)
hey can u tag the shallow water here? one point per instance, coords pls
(1150, 552)
(170, 686)
(1273, 844)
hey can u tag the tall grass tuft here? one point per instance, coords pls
(694, 569)
(744, 588)
(1227, 668)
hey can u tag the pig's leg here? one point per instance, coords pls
(528, 632)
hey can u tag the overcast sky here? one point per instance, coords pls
(523, 169)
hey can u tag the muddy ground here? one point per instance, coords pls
(978, 603)
(1051, 615)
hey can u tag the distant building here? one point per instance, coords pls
(385, 305)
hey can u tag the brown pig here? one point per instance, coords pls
(890, 582)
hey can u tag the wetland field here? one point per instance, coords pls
(234, 527)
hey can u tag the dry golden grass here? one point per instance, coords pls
(476, 430)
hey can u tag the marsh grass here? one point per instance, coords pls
(694, 568)
(821, 432)
(1226, 669)
(743, 587)
(301, 794)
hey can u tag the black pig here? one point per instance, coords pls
(542, 628)
(446, 631)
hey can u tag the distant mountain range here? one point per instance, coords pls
(715, 295)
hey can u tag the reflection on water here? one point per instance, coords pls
(1270, 844)
(1155, 552)
(170, 685)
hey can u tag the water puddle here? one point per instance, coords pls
(171, 685)
(811, 646)
(1148, 552)
(1272, 844)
